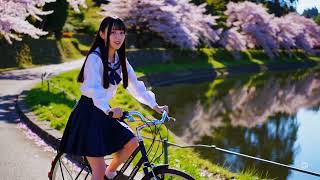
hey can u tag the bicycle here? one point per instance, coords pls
(80, 168)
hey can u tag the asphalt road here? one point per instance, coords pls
(21, 157)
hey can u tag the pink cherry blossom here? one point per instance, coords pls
(178, 22)
(14, 13)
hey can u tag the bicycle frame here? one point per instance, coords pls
(141, 148)
(143, 161)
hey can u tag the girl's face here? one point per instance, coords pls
(116, 38)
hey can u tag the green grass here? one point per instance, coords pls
(42, 51)
(68, 50)
(218, 58)
(315, 58)
(55, 107)
(8, 69)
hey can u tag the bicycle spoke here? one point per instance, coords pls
(86, 176)
(64, 169)
(79, 173)
(67, 170)
(61, 169)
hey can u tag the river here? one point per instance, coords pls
(275, 116)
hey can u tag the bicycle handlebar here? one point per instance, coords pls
(129, 115)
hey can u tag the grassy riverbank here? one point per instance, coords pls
(220, 58)
(55, 106)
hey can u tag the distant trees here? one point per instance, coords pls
(251, 26)
(310, 13)
(277, 7)
(317, 20)
(55, 21)
(182, 24)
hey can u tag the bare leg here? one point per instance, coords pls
(98, 167)
(123, 154)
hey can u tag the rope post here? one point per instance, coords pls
(42, 79)
(165, 151)
(48, 83)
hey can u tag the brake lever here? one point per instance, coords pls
(125, 114)
(171, 118)
(128, 116)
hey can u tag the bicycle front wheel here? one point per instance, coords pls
(65, 167)
(167, 174)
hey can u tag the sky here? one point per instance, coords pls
(306, 4)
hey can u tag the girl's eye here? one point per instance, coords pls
(120, 33)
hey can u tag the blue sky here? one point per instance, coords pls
(305, 4)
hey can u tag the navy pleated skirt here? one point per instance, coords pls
(90, 132)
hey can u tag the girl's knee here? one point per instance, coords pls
(97, 165)
(132, 144)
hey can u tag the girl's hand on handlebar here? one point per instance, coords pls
(160, 109)
(116, 112)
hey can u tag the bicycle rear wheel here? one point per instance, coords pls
(168, 174)
(67, 167)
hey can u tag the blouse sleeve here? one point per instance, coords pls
(92, 85)
(138, 90)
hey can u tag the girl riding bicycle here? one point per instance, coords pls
(93, 129)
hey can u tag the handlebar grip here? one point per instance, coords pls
(124, 115)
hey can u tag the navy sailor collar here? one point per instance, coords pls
(114, 65)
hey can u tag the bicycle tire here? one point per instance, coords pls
(167, 173)
(67, 167)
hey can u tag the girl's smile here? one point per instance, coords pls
(116, 38)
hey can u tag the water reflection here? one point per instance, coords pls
(308, 139)
(253, 114)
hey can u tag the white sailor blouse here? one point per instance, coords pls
(92, 85)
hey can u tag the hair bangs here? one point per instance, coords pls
(118, 25)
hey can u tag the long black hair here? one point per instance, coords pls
(108, 24)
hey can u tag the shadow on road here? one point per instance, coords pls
(20, 76)
(7, 109)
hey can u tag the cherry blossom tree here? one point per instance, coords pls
(14, 14)
(178, 22)
(233, 41)
(308, 32)
(256, 26)
(287, 32)
(75, 4)
(251, 26)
